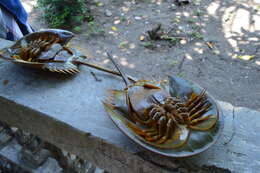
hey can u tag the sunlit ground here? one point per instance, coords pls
(29, 5)
(240, 25)
(242, 20)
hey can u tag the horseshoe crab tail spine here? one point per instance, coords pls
(103, 69)
(123, 75)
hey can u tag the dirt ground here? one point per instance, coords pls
(217, 39)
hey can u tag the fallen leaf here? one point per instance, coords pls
(116, 22)
(114, 28)
(183, 41)
(210, 45)
(128, 22)
(246, 57)
(100, 4)
(141, 38)
(174, 63)
(131, 45)
(123, 44)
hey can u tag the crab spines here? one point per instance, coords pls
(60, 67)
(32, 45)
(172, 139)
(62, 36)
(204, 123)
(44, 38)
(147, 135)
(43, 50)
(118, 100)
(65, 35)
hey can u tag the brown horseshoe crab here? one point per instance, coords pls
(46, 50)
(177, 118)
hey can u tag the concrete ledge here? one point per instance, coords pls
(67, 112)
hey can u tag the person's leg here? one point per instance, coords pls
(9, 29)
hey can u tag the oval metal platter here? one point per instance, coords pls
(193, 142)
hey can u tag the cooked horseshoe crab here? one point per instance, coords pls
(47, 50)
(176, 118)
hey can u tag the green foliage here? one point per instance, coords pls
(172, 40)
(197, 35)
(122, 18)
(77, 29)
(94, 29)
(64, 13)
(191, 20)
(149, 44)
(173, 63)
(198, 13)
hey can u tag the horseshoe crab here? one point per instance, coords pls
(176, 118)
(47, 50)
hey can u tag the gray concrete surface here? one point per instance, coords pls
(67, 111)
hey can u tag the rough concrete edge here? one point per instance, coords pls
(9, 165)
(86, 146)
(98, 151)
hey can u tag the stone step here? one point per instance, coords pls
(5, 137)
(90, 168)
(50, 166)
(16, 157)
(12, 152)
(7, 166)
